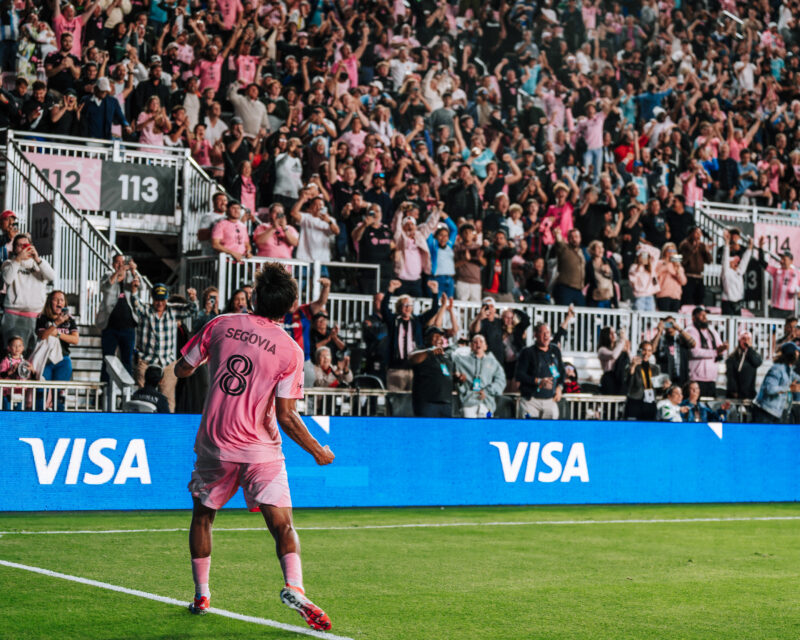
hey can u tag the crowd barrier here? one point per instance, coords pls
(114, 461)
(583, 333)
(44, 395)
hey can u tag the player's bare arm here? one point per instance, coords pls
(183, 369)
(292, 424)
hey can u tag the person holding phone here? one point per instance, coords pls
(26, 276)
(275, 238)
(115, 317)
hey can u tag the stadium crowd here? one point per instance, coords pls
(483, 151)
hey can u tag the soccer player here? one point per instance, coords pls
(256, 373)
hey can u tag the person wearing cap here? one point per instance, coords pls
(62, 67)
(248, 108)
(481, 379)
(672, 346)
(741, 368)
(376, 193)
(785, 285)
(25, 276)
(432, 388)
(779, 388)
(100, 111)
(708, 350)
(157, 329)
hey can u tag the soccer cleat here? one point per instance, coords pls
(200, 605)
(315, 617)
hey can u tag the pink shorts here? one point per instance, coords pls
(214, 482)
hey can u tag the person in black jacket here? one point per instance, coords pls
(741, 367)
(433, 377)
(406, 334)
(497, 279)
(540, 373)
(672, 346)
(461, 197)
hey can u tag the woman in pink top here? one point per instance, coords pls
(275, 238)
(558, 214)
(642, 276)
(153, 123)
(694, 182)
(201, 148)
(671, 278)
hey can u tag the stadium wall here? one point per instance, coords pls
(136, 461)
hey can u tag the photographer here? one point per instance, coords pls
(63, 116)
(115, 317)
(26, 276)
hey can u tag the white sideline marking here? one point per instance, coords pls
(151, 596)
(424, 525)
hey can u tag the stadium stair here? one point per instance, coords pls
(87, 355)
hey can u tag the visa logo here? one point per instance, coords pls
(574, 467)
(133, 465)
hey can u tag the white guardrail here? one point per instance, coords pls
(227, 275)
(583, 334)
(377, 402)
(43, 395)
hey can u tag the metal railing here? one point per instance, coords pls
(732, 214)
(81, 254)
(583, 334)
(42, 395)
(228, 275)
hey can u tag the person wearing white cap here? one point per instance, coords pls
(99, 111)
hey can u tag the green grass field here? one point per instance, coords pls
(737, 577)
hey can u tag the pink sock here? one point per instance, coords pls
(200, 570)
(292, 570)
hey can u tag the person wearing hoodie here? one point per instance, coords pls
(25, 276)
(480, 378)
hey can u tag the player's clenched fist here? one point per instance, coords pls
(325, 456)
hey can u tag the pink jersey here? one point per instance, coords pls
(229, 9)
(232, 234)
(74, 26)
(251, 361)
(209, 72)
(785, 285)
(245, 67)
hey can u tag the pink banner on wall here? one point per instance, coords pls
(78, 179)
(780, 238)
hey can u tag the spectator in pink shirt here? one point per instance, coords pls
(590, 129)
(694, 181)
(559, 214)
(153, 123)
(66, 21)
(708, 350)
(230, 235)
(275, 238)
(785, 285)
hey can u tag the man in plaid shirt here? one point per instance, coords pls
(156, 335)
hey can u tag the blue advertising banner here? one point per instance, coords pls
(75, 461)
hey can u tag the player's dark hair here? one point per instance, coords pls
(275, 291)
